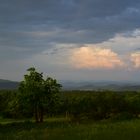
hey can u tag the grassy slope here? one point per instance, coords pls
(63, 130)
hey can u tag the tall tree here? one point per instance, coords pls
(38, 92)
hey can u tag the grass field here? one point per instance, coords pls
(61, 129)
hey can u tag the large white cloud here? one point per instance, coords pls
(135, 58)
(94, 57)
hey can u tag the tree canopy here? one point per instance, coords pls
(38, 92)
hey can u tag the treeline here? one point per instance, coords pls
(76, 105)
(99, 105)
(14, 105)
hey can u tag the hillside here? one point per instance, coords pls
(87, 85)
(7, 84)
(101, 85)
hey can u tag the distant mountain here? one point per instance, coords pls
(7, 84)
(84, 85)
(101, 85)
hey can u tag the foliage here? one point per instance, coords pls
(77, 105)
(9, 106)
(100, 105)
(38, 93)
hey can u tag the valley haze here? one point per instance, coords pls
(83, 85)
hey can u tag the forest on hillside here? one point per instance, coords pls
(77, 105)
(41, 97)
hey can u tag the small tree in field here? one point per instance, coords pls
(37, 92)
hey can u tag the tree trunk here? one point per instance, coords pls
(41, 114)
(36, 114)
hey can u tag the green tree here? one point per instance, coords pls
(38, 92)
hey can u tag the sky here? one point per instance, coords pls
(77, 40)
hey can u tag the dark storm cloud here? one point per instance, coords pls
(31, 28)
(35, 24)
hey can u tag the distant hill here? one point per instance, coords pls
(7, 84)
(101, 85)
(84, 85)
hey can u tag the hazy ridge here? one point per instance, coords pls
(83, 85)
(7, 84)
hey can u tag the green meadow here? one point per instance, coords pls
(64, 129)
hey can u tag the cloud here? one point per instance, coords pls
(35, 24)
(65, 21)
(124, 43)
(95, 58)
(135, 58)
(29, 28)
